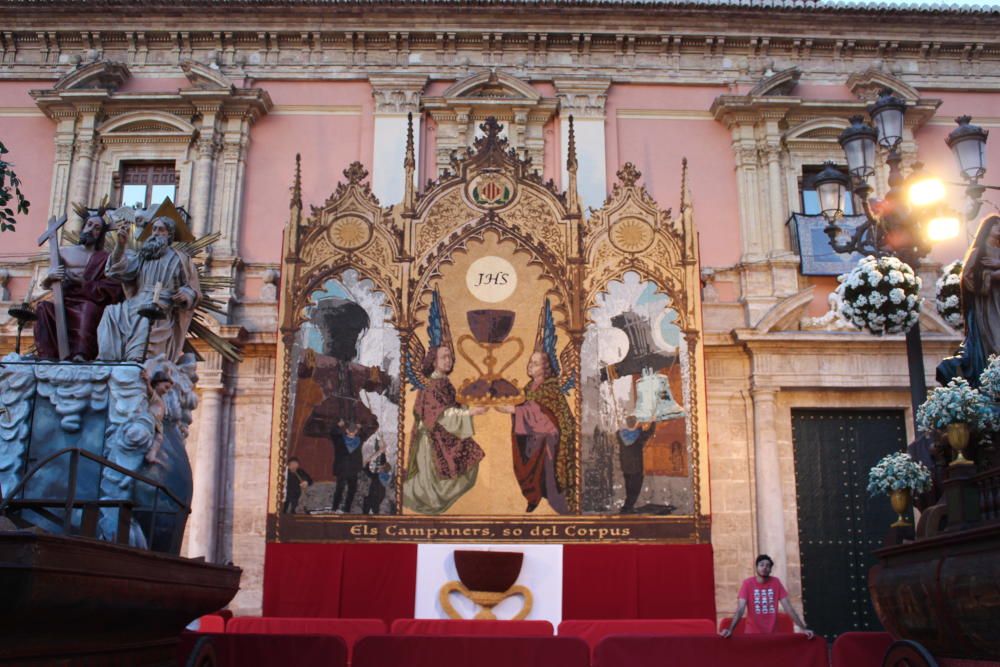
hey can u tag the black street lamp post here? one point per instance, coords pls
(899, 225)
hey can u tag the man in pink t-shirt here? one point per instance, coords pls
(760, 596)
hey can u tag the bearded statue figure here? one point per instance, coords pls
(87, 291)
(155, 272)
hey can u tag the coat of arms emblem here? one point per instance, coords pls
(490, 190)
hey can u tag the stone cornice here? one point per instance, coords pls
(55, 103)
(686, 52)
(744, 109)
(794, 7)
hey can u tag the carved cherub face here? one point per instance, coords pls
(162, 387)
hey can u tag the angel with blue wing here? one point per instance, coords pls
(443, 459)
(543, 431)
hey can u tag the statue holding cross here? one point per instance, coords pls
(66, 328)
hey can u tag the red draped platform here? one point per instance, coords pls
(748, 651)
(379, 581)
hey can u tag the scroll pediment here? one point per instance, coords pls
(102, 75)
(869, 84)
(781, 83)
(206, 78)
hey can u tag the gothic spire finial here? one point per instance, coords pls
(572, 194)
(684, 180)
(297, 183)
(409, 162)
(571, 164)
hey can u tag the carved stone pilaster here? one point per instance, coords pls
(398, 95)
(582, 98)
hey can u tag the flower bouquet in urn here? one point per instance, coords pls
(899, 476)
(956, 409)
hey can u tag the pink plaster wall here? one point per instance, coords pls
(29, 139)
(657, 144)
(328, 144)
(813, 91)
(151, 84)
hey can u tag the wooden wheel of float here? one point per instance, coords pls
(906, 653)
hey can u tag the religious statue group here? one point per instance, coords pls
(104, 294)
(125, 293)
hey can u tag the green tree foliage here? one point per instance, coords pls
(10, 187)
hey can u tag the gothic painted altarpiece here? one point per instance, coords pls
(482, 362)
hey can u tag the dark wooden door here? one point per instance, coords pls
(839, 524)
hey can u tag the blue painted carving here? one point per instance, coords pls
(110, 411)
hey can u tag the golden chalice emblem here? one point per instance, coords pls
(490, 331)
(487, 578)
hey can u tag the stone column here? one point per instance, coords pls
(586, 101)
(779, 244)
(84, 152)
(207, 148)
(61, 168)
(751, 229)
(227, 200)
(395, 97)
(767, 470)
(203, 526)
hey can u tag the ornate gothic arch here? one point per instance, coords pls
(631, 233)
(349, 231)
(491, 209)
(461, 206)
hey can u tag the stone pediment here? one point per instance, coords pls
(142, 122)
(492, 85)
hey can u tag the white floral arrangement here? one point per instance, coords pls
(896, 472)
(956, 403)
(948, 295)
(989, 379)
(880, 294)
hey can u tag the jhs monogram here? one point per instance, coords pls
(763, 601)
(498, 278)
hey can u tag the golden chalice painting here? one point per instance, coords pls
(489, 342)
